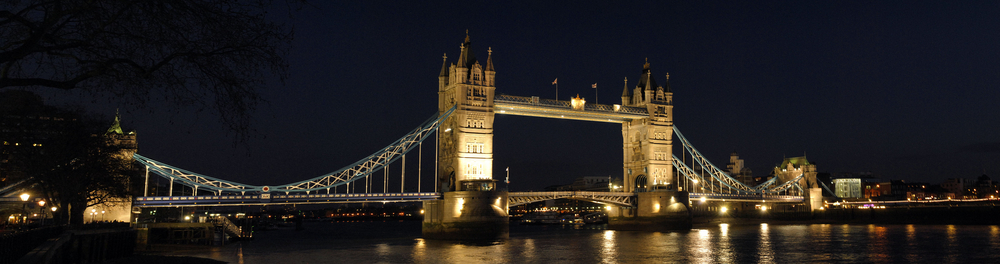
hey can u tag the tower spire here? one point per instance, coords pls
(444, 66)
(489, 59)
(666, 87)
(625, 92)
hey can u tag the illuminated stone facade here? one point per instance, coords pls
(791, 168)
(647, 144)
(465, 139)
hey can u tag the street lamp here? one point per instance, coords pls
(93, 214)
(41, 210)
(24, 198)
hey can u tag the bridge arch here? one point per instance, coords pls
(612, 198)
(640, 182)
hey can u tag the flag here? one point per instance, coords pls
(556, 81)
(594, 86)
(508, 175)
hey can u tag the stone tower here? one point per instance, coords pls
(466, 138)
(647, 143)
(471, 206)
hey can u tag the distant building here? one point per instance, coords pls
(847, 187)
(738, 171)
(957, 185)
(796, 168)
(27, 127)
(984, 188)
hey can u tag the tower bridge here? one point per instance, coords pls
(464, 201)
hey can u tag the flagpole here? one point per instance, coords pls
(556, 83)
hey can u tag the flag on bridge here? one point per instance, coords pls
(556, 81)
(594, 86)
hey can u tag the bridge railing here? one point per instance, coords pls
(523, 100)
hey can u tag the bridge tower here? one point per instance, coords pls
(647, 146)
(472, 207)
(647, 143)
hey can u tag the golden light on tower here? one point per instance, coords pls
(577, 102)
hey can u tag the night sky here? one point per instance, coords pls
(905, 90)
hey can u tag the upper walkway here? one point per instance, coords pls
(538, 107)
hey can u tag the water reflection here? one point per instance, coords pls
(764, 251)
(419, 249)
(529, 248)
(609, 251)
(878, 248)
(912, 243)
(700, 247)
(995, 235)
(725, 243)
(723, 248)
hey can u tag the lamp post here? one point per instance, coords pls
(93, 214)
(54, 213)
(24, 198)
(41, 211)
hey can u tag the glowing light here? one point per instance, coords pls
(763, 208)
(25, 196)
(703, 199)
(723, 209)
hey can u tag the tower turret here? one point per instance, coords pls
(443, 77)
(490, 73)
(625, 94)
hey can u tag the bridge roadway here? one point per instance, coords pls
(513, 198)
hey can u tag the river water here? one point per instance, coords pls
(400, 242)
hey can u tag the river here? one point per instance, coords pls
(400, 242)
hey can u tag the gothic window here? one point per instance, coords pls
(660, 155)
(474, 170)
(474, 147)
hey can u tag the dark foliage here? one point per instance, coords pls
(200, 53)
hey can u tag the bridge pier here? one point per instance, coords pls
(655, 211)
(467, 215)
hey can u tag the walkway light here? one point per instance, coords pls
(724, 209)
(25, 196)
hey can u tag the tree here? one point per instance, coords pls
(74, 162)
(203, 53)
(89, 170)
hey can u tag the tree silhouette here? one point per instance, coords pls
(200, 53)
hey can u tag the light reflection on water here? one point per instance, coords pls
(400, 242)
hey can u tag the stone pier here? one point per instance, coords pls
(655, 211)
(467, 215)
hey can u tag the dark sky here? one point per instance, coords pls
(905, 90)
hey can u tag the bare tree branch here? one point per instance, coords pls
(213, 53)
